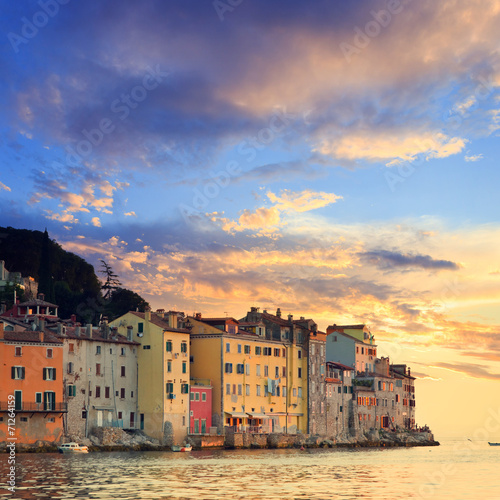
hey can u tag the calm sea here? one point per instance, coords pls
(455, 470)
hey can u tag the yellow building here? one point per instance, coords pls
(163, 372)
(259, 385)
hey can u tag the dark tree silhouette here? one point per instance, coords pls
(112, 282)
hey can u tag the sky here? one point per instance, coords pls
(338, 160)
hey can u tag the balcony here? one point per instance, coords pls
(35, 407)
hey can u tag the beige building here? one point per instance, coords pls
(163, 373)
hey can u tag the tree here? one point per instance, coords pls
(112, 282)
(7, 294)
(123, 301)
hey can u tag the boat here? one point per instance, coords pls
(73, 448)
(182, 447)
(493, 444)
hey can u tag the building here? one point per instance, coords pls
(100, 379)
(31, 373)
(200, 407)
(258, 380)
(33, 308)
(28, 284)
(163, 372)
(404, 385)
(339, 413)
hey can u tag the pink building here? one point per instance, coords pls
(200, 406)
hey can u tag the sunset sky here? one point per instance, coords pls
(336, 159)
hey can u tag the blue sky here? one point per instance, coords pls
(337, 160)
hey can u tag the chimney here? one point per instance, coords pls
(130, 333)
(61, 329)
(41, 323)
(172, 319)
(73, 318)
(88, 330)
(198, 316)
(290, 317)
(278, 312)
(147, 313)
(41, 296)
(78, 329)
(114, 332)
(104, 328)
(254, 309)
(160, 312)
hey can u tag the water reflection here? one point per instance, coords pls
(253, 474)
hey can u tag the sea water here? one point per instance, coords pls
(455, 470)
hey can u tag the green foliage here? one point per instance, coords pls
(7, 294)
(111, 283)
(363, 383)
(123, 301)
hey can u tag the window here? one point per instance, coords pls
(203, 396)
(38, 397)
(191, 397)
(185, 389)
(98, 369)
(49, 400)
(18, 351)
(266, 371)
(197, 396)
(71, 391)
(299, 354)
(168, 346)
(339, 389)
(283, 391)
(70, 367)
(266, 390)
(140, 328)
(234, 388)
(17, 372)
(299, 373)
(239, 348)
(184, 347)
(283, 371)
(184, 367)
(228, 368)
(247, 349)
(25, 419)
(276, 372)
(294, 392)
(71, 348)
(49, 353)
(106, 392)
(228, 347)
(240, 368)
(110, 351)
(277, 352)
(240, 389)
(169, 387)
(257, 370)
(84, 414)
(284, 352)
(300, 392)
(267, 351)
(49, 374)
(122, 371)
(122, 393)
(169, 366)
(98, 349)
(277, 390)
(122, 352)
(97, 391)
(146, 347)
(258, 350)
(247, 369)
(258, 390)
(228, 388)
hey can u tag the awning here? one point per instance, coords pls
(236, 414)
(105, 408)
(283, 414)
(257, 415)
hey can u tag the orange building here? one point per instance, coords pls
(31, 363)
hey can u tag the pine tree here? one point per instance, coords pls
(112, 282)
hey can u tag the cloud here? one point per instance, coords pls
(130, 214)
(386, 259)
(302, 201)
(96, 222)
(3, 186)
(474, 157)
(472, 370)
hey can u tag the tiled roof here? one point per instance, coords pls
(96, 336)
(339, 365)
(37, 302)
(276, 319)
(31, 336)
(161, 323)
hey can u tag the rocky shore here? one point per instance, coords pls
(113, 439)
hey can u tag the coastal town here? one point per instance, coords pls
(164, 377)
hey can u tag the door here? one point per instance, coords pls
(132, 420)
(196, 426)
(203, 426)
(99, 418)
(142, 421)
(19, 400)
(49, 400)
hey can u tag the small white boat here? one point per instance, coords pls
(182, 447)
(73, 448)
